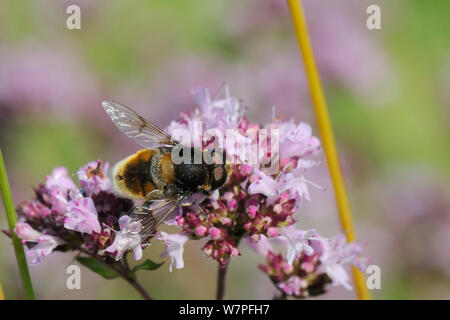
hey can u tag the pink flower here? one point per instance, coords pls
(292, 285)
(34, 209)
(201, 230)
(211, 116)
(93, 177)
(59, 179)
(272, 232)
(127, 239)
(297, 188)
(296, 241)
(59, 201)
(336, 253)
(290, 183)
(297, 140)
(25, 232)
(262, 247)
(311, 258)
(190, 128)
(82, 216)
(45, 245)
(252, 211)
(214, 233)
(266, 185)
(303, 166)
(219, 113)
(246, 169)
(174, 248)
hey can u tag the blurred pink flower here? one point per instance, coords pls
(184, 72)
(414, 200)
(336, 253)
(34, 76)
(346, 51)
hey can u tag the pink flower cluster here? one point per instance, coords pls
(64, 217)
(322, 263)
(260, 206)
(252, 203)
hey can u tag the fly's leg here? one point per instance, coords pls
(155, 195)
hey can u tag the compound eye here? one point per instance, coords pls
(219, 177)
(218, 173)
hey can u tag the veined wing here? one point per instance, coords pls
(136, 127)
(152, 213)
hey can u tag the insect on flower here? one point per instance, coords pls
(151, 174)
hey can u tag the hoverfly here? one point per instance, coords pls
(151, 175)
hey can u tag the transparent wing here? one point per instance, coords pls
(136, 127)
(152, 213)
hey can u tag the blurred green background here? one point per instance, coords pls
(388, 92)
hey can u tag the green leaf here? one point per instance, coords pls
(98, 267)
(147, 265)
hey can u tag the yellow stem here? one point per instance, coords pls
(2, 295)
(326, 132)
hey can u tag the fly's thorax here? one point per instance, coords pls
(167, 167)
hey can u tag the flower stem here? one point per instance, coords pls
(139, 288)
(221, 277)
(12, 220)
(132, 281)
(123, 270)
(326, 132)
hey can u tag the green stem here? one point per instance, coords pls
(12, 220)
